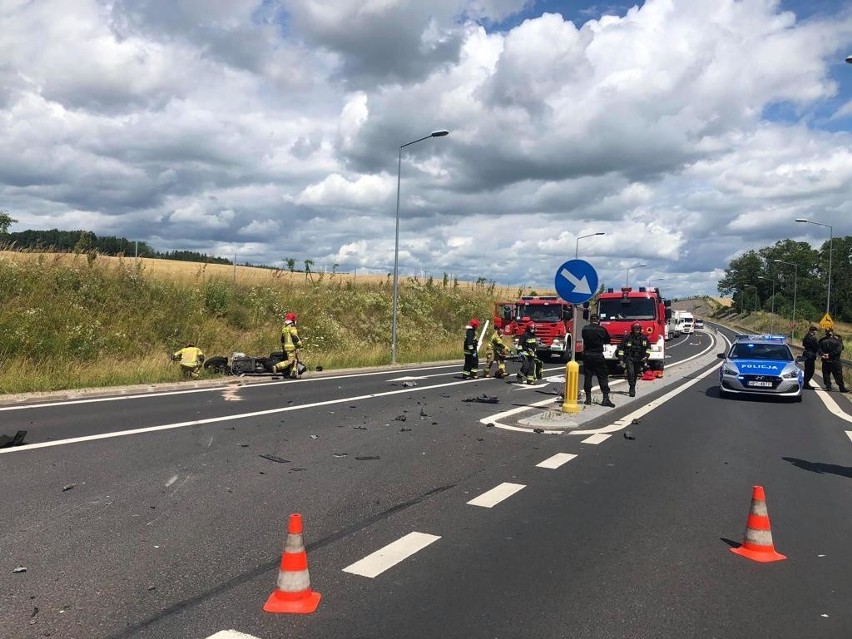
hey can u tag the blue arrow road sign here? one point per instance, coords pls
(576, 281)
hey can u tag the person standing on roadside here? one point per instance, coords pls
(634, 352)
(830, 347)
(594, 338)
(471, 350)
(191, 358)
(290, 343)
(531, 365)
(810, 344)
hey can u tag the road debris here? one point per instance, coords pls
(20, 569)
(483, 399)
(276, 459)
(399, 418)
(409, 384)
(423, 413)
(629, 435)
(17, 439)
(404, 430)
(489, 425)
(360, 427)
(538, 430)
(367, 458)
(295, 470)
(339, 455)
(68, 487)
(314, 437)
(636, 422)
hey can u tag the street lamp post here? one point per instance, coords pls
(795, 285)
(577, 242)
(830, 242)
(627, 277)
(434, 134)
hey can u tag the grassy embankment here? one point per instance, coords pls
(74, 321)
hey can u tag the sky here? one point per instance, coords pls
(687, 131)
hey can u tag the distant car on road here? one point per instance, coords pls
(699, 323)
(760, 365)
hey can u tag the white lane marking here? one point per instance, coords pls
(497, 494)
(215, 420)
(494, 420)
(117, 398)
(406, 379)
(831, 405)
(595, 439)
(231, 634)
(556, 461)
(376, 563)
(849, 434)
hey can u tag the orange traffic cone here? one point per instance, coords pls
(293, 592)
(757, 545)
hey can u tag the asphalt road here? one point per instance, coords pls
(175, 529)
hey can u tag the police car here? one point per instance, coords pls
(760, 365)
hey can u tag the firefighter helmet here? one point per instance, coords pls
(290, 317)
(636, 325)
(474, 323)
(532, 326)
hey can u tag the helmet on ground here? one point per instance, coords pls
(474, 323)
(636, 325)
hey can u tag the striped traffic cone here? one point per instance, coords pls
(757, 545)
(293, 592)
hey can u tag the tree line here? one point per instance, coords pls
(58, 241)
(771, 277)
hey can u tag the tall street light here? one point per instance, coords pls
(434, 134)
(830, 241)
(795, 284)
(577, 243)
(627, 277)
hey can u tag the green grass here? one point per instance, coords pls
(86, 322)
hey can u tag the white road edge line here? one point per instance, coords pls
(231, 634)
(831, 405)
(497, 494)
(849, 434)
(215, 420)
(552, 463)
(494, 419)
(376, 563)
(229, 383)
(597, 438)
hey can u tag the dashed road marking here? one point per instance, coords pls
(597, 438)
(496, 495)
(556, 461)
(376, 563)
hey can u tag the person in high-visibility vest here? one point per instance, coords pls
(191, 358)
(496, 352)
(290, 343)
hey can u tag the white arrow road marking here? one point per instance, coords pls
(597, 438)
(376, 563)
(496, 495)
(231, 634)
(580, 285)
(556, 461)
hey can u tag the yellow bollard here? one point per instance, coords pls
(572, 388)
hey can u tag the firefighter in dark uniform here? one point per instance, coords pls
(634, 352)
(830, 347)
(810, 344)
(531, 366)
(594, 338)
(471, 350)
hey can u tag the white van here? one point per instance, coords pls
(685, 323)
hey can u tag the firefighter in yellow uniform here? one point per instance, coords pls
(496, 351)
(191, 358)
(290, 342)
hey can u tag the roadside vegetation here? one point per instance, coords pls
(83, 320)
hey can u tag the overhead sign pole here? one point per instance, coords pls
(575, 282)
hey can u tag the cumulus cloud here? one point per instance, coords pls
(266, 127)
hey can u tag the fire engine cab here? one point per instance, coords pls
(619, 310)
(552, 317)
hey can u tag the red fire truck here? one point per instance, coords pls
(552, 318)
(619, 310)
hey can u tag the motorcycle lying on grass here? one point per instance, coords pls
(241, 364)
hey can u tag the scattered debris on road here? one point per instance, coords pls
(339, 455)
(68, 487)
(276, 459)
(538, 430)
(367, 457)
(629, 435)
(636, 422)
(20, 569)
(409, 384)
(483, 399)
(399, 418)
(17, 439)
(314, 437)
(404, 430)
